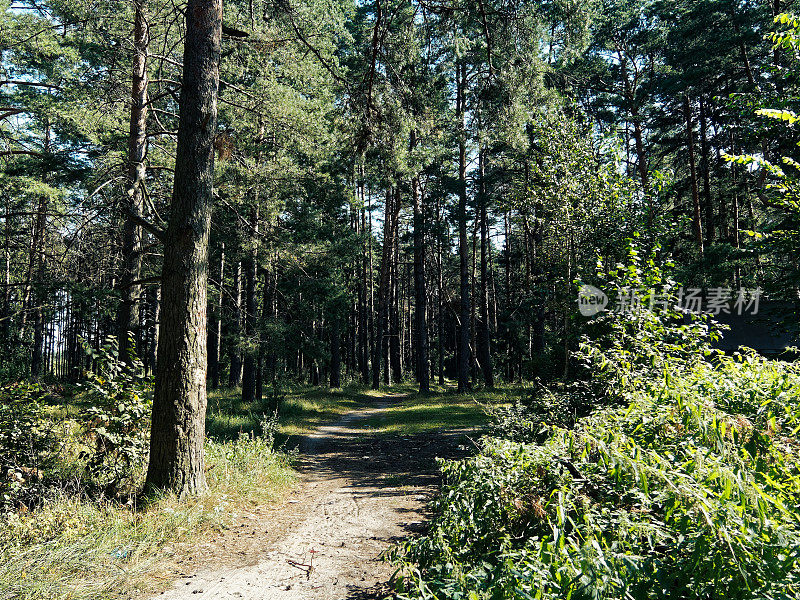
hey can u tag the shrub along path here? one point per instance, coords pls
(358, 494)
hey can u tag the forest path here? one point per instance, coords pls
(358, 494)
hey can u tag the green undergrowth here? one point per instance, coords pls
(73, 460)
(669, 471)
(689, 491)
(72, 547)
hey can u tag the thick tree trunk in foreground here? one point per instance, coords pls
(128, 322)
(420, 293)
(179, 402)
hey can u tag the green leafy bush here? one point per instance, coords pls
(683, 483)
(117, 422)
(619, 351)
(690, 491)
(27, 443)
(533, 419)
(624, 348)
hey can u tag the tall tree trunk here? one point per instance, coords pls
(395, 357)
(697, 227)
(440, 292)
(179, 400)
(363, 308)
(235, 373)
(37, 356)
(383, 292)
(251, 351)
(464, 357)
(128, 322)
(35, 280)
(724, 229)
(266, 358)
(335, 380)
(737, 273)
(509, 296)
(420, 292)
(708, 207)
(473, 293)
(5, 322)
(215, 336)
(32, 298)
(483, 337)
(371, 286)
(533, 278)
(636, 119)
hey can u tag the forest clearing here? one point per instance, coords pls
(399, 299)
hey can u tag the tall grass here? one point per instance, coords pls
(76, 549)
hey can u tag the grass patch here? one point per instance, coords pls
(442, 409)
(76, 548)
(303, 408)
(300, 409)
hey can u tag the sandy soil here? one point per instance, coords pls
(358, 495)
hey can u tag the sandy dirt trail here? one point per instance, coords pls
(358, 495)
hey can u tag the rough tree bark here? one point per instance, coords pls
(128, 322)
(179, 401)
